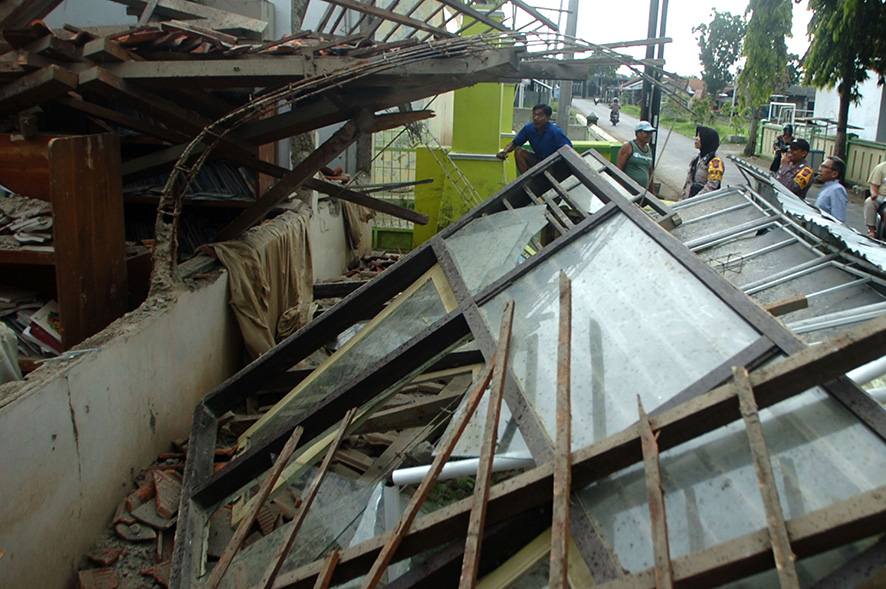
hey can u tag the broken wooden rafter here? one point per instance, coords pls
(220, 20)
(478, 16)
(36, 88)
(477, 521)
(285, 546)
(17, 14)
(365, 122)
(365, 200)
(391, 16)
(855, 518)
(664, 574)
(563, 452)
(778, 534)
(416, 413)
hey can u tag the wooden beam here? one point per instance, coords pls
(785, 306)
(563, 452)
(243, 529)
(778, 534)
(365, 200)
(477, 521)
(445, 451)
(285, 546)
(664, 574)
(123, 120)
(364, 122)
(416, 413)
(567, 198)
(475, 14)
(104, 50)
(36, 88)
(329, 561)
(535, 14)
(220, 20)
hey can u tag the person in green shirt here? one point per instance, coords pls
(635, 157)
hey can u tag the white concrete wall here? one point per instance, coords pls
(73, 437)
(866, 114)
(330, 252)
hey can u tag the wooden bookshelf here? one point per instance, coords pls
(80, 177)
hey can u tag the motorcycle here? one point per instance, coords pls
(613, 117)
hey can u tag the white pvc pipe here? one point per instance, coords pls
(868, 372)
(452, 470)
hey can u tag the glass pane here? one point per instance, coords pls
(489, 247)
(642, 324)
(710, 484)
(418, 308)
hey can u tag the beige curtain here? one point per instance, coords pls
(271, 278)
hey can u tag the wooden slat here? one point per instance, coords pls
(36, 88)
(307, 500)
(243, 529)
(391, 16)
(365, 200)
(123, 120)
(778, 534)
(477, 521)
(418, 412)
(558, 220)
(104, 50)
(475, 14)
(563, 451)
(664, 574)
(565, 195)
(325, 575)
(396, 537)
(220, 20)
(786, 306)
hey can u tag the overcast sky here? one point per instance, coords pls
(607, 21)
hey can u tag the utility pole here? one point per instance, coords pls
(564, 104)
(650, 96)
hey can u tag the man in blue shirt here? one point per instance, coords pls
(544, 136)
(833, 198)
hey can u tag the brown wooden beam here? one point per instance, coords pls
(365, 200)
(36, 88)
(778, 534)
(664, 574)
(391, 16)
(563, 452)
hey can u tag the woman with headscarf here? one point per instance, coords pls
(705, 169)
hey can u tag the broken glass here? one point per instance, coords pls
(642, 324)
(487, 248)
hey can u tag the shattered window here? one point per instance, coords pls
(423, 304)
(642, 324)
(488, 247)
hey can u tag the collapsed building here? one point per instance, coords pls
(675, 409)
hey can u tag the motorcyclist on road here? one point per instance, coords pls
(614, 108)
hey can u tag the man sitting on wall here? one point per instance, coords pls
(878, 194)
(544, 136)
(795, 173)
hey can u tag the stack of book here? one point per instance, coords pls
(36, 323)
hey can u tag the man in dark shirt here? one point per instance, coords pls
(795, 173)
(544, 136)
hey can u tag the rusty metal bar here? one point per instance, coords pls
(664, 573)
(778, 534)
(264, 491)
(325, 575)
(393, 542)
(477, 521)
(286, 545)
(563, 452)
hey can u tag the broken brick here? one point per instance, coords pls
(106, 558)
(98, 579)
(122, 514)
(169, 490)
(141, 495)
(147, 514)
(160, 571)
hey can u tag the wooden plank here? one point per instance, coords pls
(123, 120)
(395, 538)
(778, 535)
(557, 218)
(477, 521)
(15, 14)
(785, 306)
(535, 13)
(365, 122)
(220, 20)
(365, 200)
(104, 51)
(54, 48)
(243, 529)
(147, 13)
(87, 203)
(558, 188)
(417, 413)
(36, 88)
(563, 452)
(471, 13)
(307, 500)
(355, 459)
(329, 561)
(664, 574)
(772, 384)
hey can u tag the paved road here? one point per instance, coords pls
(674, 152)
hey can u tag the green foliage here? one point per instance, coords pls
(766, 68)
(846, 40)
(702, 110)
(720, 44)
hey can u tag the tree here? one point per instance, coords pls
(846, 40)
(720, 47)
(766, 67)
